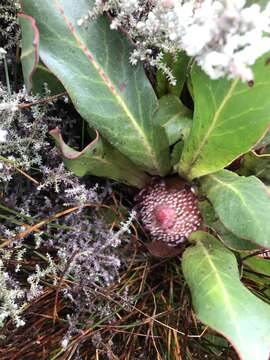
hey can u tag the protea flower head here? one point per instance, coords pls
(168, 212)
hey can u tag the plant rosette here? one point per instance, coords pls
(142, 140)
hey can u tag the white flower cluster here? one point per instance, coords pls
(226, 37)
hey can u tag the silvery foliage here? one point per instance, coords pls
(11, 295)
(225, 36)
(79, 245)
(9, 29)
(22, 133)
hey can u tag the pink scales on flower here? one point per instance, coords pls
(169, 214)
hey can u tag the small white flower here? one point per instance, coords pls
(3, 135)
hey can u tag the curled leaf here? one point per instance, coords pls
(100, 159)
(30, 45)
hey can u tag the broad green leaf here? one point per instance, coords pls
(241, 203)
(211, 220)
(222, 302)
(174, 117)
(230, 117)
(93, 64)
(30, 43)
(230, 240)
(99, 159)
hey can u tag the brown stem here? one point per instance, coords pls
(42, 101)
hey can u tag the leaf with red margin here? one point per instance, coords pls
(99, 159)
(222, 302)
(93, 64)
(30, 44)
(35, 73)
